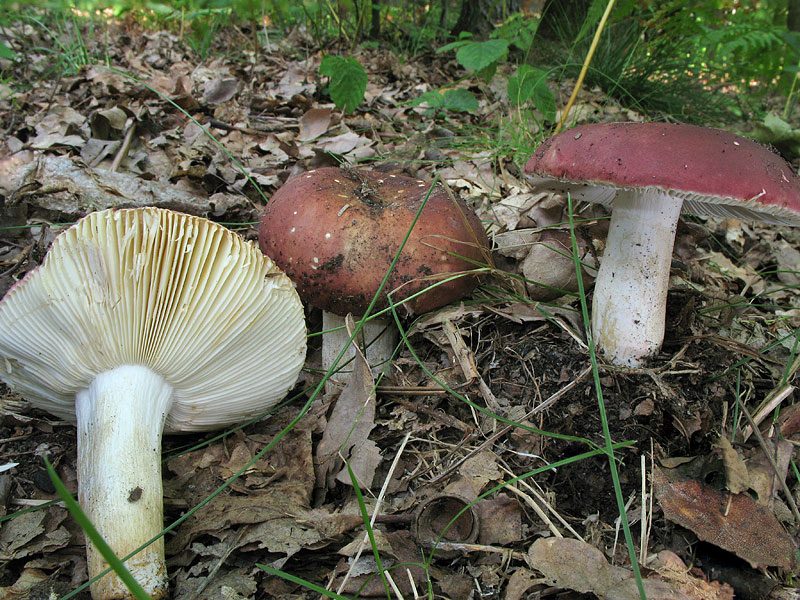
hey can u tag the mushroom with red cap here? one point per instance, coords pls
(335, 231)
(140, 321)
(647, 173)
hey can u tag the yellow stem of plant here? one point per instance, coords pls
(585, 66)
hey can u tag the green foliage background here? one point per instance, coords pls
(705, 61)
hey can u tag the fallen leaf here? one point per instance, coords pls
(734, 522)
(68, 186)
(220, 90)
(349, 425)
(501, 520)
(22, 586)
(576, 565)
(764, 480)
(343, 143)
(314, 123)
(402, 550)
(572, 564)
(33, 533)
(520, 582)
(738, 480)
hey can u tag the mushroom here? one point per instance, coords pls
(335, 231)
(140, 321)
(647, 173)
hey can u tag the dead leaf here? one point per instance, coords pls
(402, 549)
(573, 564)
(314, 123)
(228, 585)
(220, 90)
(736, 474)
(576, 565)
(22, 586)
(788, 258)
(549, 268)
(501, 520)
(69, 186)
(34, 533)
(763, 478)
(343, 143)
(519, 583)
(734, 522)
(349, 425)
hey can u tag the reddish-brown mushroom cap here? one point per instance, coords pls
(716, 172)
(650, 172)
(335, 232)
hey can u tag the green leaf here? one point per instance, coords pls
(454, 99)
(792, 39)
(459, 99)
(519, 30)
(530, 84)
(432, 98)
(348, 81)
(6, 52)
(452, 46)
(479, 55)
(544, 100)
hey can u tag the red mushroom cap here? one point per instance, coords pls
(335, 232)
(717, 172)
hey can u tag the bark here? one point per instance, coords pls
(473, 18)
(793, 15)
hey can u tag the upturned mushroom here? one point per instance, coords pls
(647, 173)
(335, 231)
(141, 321)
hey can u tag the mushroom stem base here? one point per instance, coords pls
(120, 419)
(630, 294)
(380, 336)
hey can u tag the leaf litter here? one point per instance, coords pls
(97, 138)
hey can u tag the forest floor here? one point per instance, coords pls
(706, 507)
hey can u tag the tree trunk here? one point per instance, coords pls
(793, 16)
(474, 18)
(375, 26)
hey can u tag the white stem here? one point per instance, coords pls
(380, 336)
(630, 294)
(120, 419)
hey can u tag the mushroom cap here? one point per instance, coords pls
(335, 232)
(178, 294)
(716, 172)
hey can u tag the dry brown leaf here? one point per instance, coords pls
(737, 478)
(220, 90)
(788, 258)
(22, 586)
(734, 522)
(402, 549)
(68, 186)
(764, 480)
(501, 520)
(349, 425)
(576, 565)
(519, 583)
(35, 532)
(235, 584)
(314, 123)
(549, 267)
(343, 143)
(572, 564)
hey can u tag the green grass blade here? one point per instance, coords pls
(300, 581)
(609, 447)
